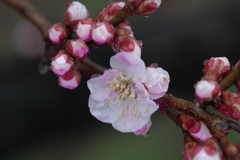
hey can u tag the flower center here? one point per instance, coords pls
(127, 98)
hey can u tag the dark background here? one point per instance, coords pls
(41, 121)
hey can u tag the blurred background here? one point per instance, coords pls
(41, 121)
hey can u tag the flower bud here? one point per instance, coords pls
(61, 63)
(75, 12)
(200, 131)
(209, 151)
(216, 68)
(157, 82)
(57, 33)
(126, 25)
(127, 44)
(102, 32)
(77, 48)
(207, 90)
(110, 11)
(83, 29)
(144, 130)
(232, 105)
(148, 7)
(70, 80)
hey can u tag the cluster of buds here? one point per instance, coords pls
(214, 70)
(96, 32)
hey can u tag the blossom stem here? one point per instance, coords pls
(129, 9)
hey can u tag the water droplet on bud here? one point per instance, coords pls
(43, 68)
(140, 42)
(95, 76)
(154, 65)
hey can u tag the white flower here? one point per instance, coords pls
(119, 97)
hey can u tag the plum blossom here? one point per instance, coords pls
(119, 97)
(157, 82)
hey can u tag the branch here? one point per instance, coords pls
(232, 77)
(32, 14)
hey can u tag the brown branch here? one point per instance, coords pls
(94, 67)
(32, 14)
(233, 77)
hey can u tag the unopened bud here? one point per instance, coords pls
(148, 7)
(61, 63)
(77, 48)
(83, 29)
(157, 82)
(57, 33)
(216, 68)
(110, 11)
(207, 90)
(75, 12)
(127, 44)
(209, 151)
(102, 32)
(232, 104)
(200, 131)
(70, 80)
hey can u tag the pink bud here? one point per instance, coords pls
(110, 11)
(70, 80)
(157, 82)
(216, 68)
(207, 90)
(209, 151)
(83, 29)
(102, 32)
(75, 12)
(144, 130)
(231, 107)
(61, 63)
(148, 7)
(200, 131)
(114, 8)
(57, 33)
(127, 44)
(77, 48)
